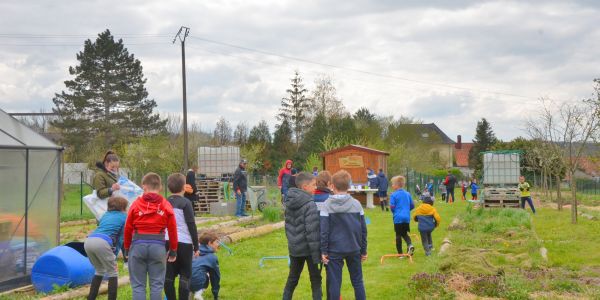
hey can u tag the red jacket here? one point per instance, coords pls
(283, 171)
(150, 214)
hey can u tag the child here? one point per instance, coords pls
(474, 188)
(103, 245)
(382, 187)
(525, 193)
(430, 187)
(302, 232)
(322, 192)
(144, 239)
(187, 236)
(442, 188)
(401, 204)
(343, 237)
(373, 181)
(463, 189)
(428, 218)
(315, 171)
(205, 268)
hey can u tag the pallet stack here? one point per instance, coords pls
(501, 197)
(209, 191)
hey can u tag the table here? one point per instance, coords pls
(368, 192)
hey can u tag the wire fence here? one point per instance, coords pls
(588, 186)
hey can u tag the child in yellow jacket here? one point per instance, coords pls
(428, 218)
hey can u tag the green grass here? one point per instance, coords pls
(71, 204)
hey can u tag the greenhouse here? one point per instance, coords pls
(30, 185)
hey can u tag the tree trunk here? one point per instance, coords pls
(558, 195)
(574, 198)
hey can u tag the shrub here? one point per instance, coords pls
(272, 214)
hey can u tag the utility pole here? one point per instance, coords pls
(182, 34)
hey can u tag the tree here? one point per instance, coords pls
(107, 98)
(312, 139)
(484, 140)
(324, 99)
(295, 108)
(240, 135)
(363, 115)
(282, 143)
(260, 134)
(222, 133)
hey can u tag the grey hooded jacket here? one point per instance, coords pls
(302, 225)
(343, 227)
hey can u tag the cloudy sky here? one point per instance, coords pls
(447, 62)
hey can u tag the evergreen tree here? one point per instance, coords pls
(363, 115)
(106, 99)
(283, 147)
(312, 140)
(260, 134)
(295, 108)
(484, 140)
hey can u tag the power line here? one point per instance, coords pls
(358, 70)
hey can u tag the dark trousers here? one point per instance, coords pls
(296, 267)
(334, 275)
(443, 196)
(529, 201)
(474, 196)
(402, 231)
(426, 241)
(450, 192)
(383, 203)
(182, 267)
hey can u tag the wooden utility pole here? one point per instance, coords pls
(182, 34)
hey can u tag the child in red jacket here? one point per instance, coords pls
(144, 239)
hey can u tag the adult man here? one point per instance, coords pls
(191, 180)
(240, 186)
(450, 182)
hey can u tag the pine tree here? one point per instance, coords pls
(295, 108)
(106, 99)
(260, 134)
(282, 143)
(313, 137)
(484, 140)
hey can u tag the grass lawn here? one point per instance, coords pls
(71, 204)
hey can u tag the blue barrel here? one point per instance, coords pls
(61, 266)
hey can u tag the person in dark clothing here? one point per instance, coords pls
(373, 181)
(382, 188)
(322, 192)
(240, 187)
(302, 232)
(450, 182)
(343, 238)
(191, 180)
(205, 268)
(292, 180)
(187, 235)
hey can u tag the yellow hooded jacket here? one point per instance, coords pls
(427, 210)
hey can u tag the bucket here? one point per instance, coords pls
(61, 266)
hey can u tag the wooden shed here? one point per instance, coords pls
(355, 159)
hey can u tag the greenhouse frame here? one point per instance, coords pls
(30, 197)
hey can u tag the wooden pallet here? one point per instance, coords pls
(209, 191)
(501, 203)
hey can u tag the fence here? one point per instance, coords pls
(588, 186)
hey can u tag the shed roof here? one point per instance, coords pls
(13, 134)
(357, 147)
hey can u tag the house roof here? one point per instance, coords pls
(356, 147)
(589, 166)
(427, 131)
(462, 155)
(15, 135)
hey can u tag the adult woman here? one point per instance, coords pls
(105, 180)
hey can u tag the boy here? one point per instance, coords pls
(302, 232)
(144, 239)
(382, 187)
(205, 268)
(343, 237)
(463, 190)
(442, 188)
(187, 236)
(401, 204)
(430, 187)
(103, 245)
(474, 188)
(428, 218)
(525, 193)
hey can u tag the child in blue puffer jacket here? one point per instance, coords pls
(401, 204)
(205, 268)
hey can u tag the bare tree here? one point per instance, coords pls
(324, 99)
(240, 135)
(222, 133)
(569, 127)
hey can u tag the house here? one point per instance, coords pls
(442, 147)
(461, 156)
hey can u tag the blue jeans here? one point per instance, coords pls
(240, 204)
(334, 275)
(529, 201)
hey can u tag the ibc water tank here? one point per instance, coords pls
(61, 266)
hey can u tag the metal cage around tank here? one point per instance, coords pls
(30, 194)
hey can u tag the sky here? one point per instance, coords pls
(445, 62)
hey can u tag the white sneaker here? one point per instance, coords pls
(198, 295)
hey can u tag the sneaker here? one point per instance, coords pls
(411, 250)
(401, 257)
(198, 295)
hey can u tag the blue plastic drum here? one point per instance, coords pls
(61, 266)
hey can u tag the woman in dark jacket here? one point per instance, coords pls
(191, 180)
(105, 180)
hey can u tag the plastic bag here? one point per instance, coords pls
(128, 190)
